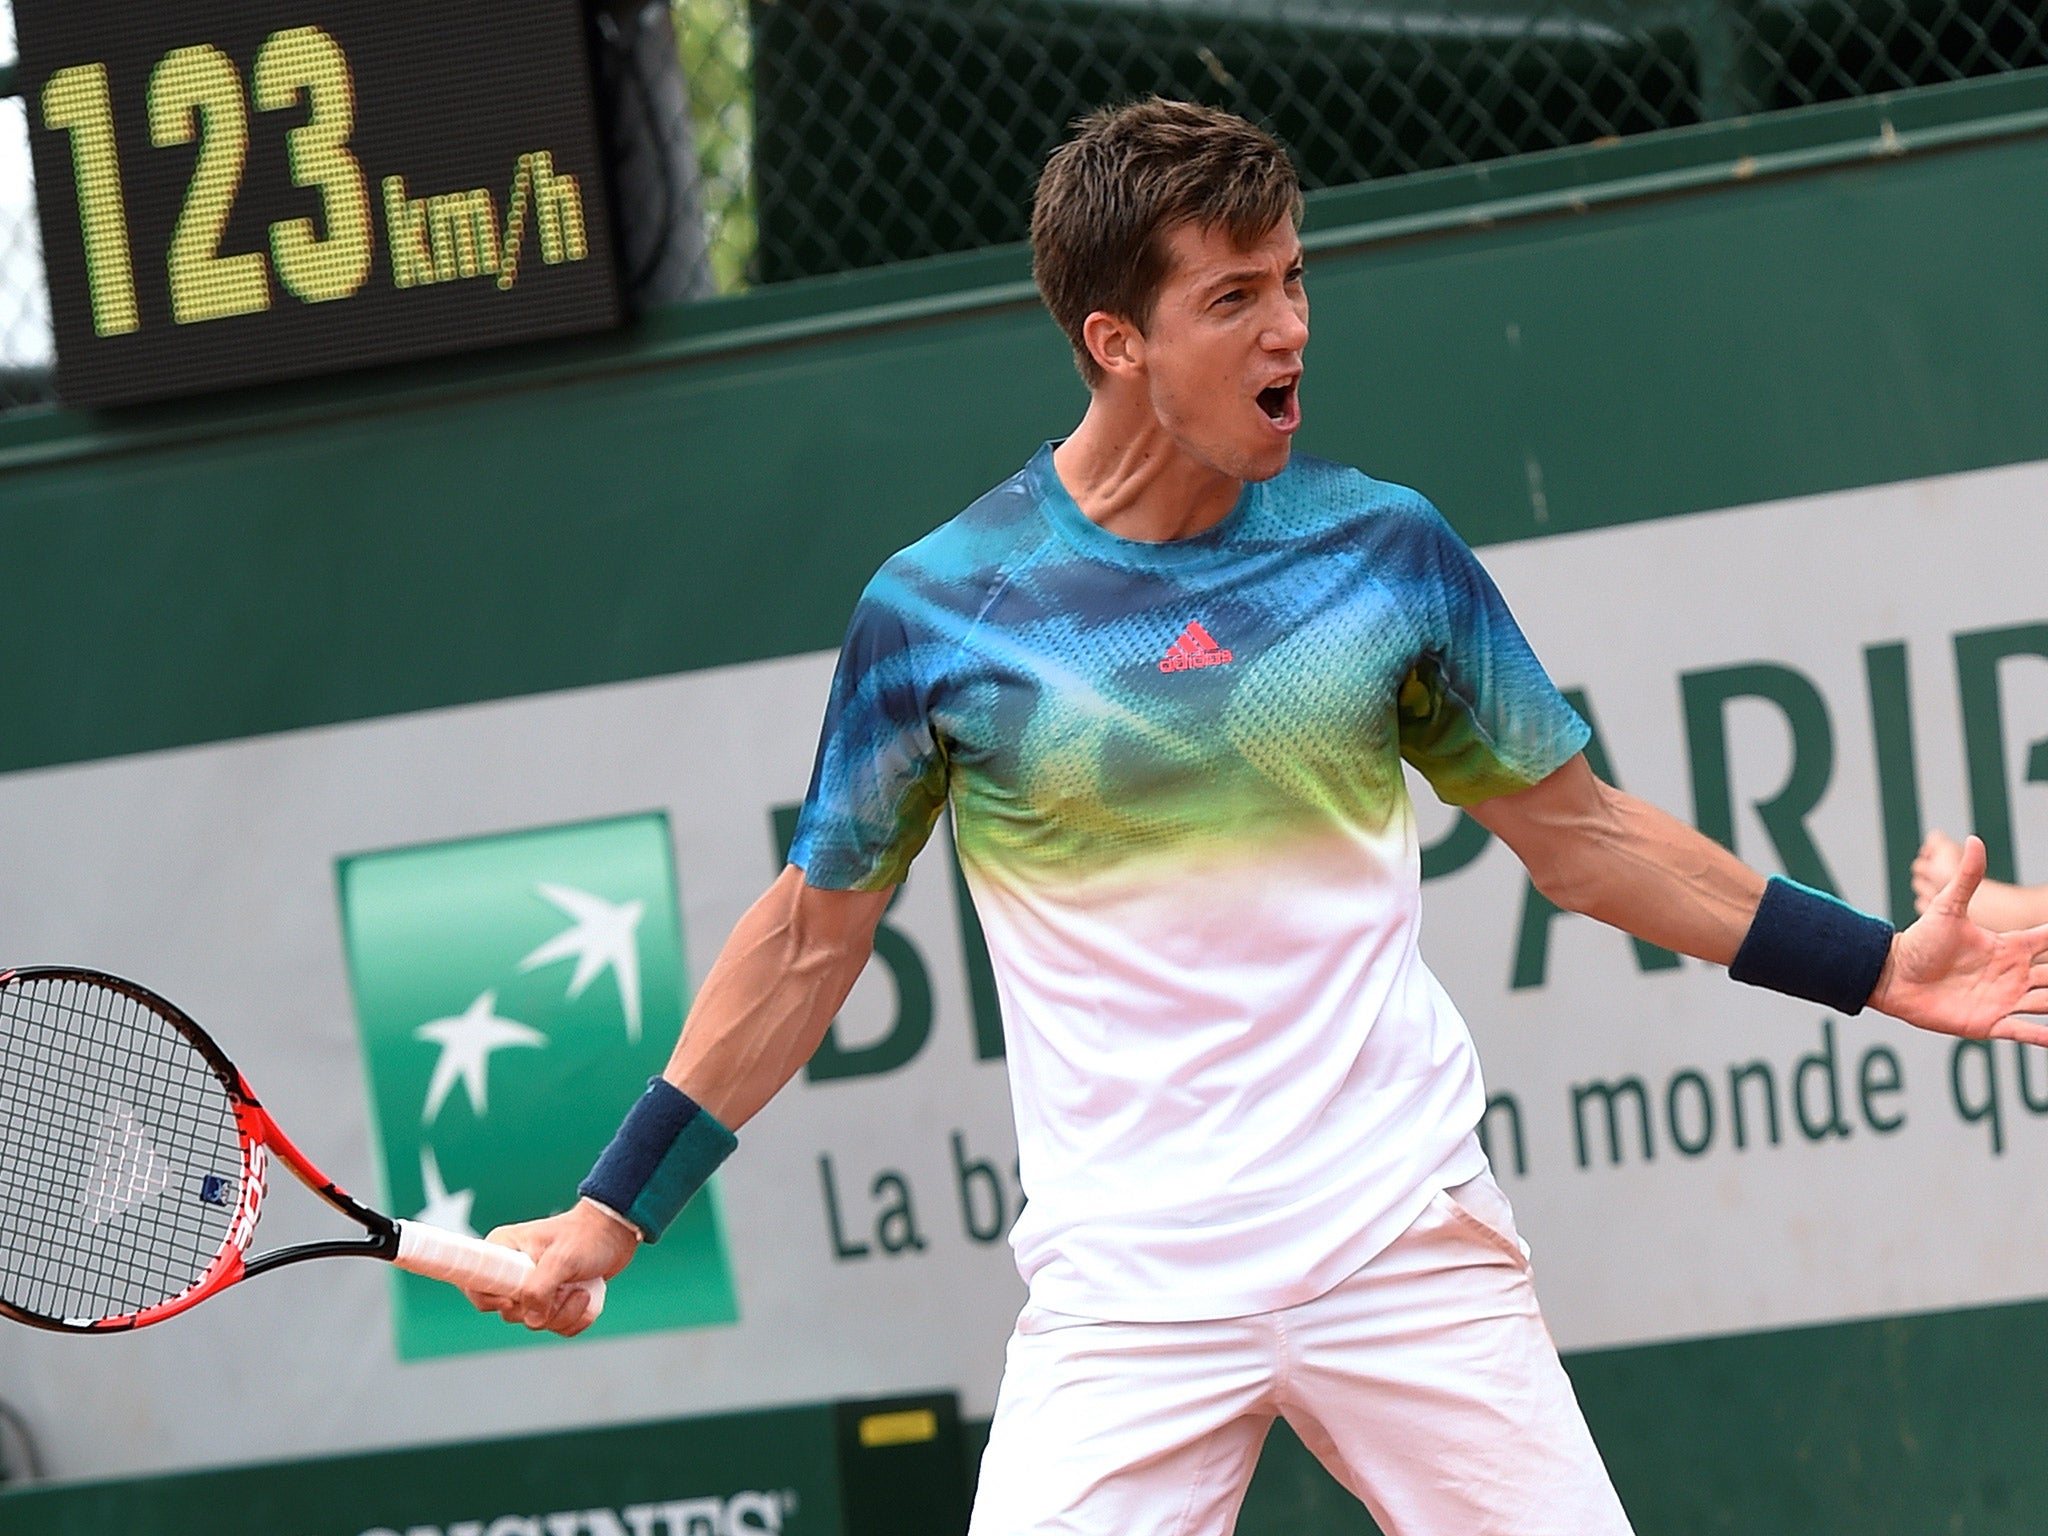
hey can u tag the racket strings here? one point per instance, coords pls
(120, 1158)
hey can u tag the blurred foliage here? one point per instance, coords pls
(715, 45)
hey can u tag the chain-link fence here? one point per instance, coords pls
(24, 305)
(835, 134)
(894, 128)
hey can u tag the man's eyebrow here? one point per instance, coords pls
(1243, 275)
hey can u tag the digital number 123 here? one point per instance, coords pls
(196, 92)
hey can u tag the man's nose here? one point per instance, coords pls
(1287, 331)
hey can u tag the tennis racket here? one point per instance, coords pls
(132, 1162)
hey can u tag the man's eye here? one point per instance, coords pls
(1234, 296)
(1294, 277)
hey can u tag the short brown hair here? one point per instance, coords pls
(1129, 176)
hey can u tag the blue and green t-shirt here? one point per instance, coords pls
(1175, 774)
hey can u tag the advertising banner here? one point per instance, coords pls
(462, 947)
(450, 944)
(875, 1468)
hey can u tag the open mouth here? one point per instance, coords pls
(1279, 403)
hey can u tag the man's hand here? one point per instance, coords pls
(1947, 974)
(582, 1243)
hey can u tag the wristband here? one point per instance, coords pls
(1809, 945)
(666, 1148)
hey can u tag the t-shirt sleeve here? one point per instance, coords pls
(880, 777)
(1478, 715)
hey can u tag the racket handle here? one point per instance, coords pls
(470, 1261)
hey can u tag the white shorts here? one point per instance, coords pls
(1426, 1383)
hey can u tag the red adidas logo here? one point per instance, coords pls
(1195, 648)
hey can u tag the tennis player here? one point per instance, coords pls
(1166, 675)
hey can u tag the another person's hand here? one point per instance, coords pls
(1933, 867)
(1996, 905)
(583, 1243)
(1948, 974)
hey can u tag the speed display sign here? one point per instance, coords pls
(238, 191)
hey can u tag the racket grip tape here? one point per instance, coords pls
(472, 1262)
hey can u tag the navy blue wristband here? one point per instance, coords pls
(666, 1148)
(1805, 943)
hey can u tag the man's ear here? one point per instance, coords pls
(1117, 346)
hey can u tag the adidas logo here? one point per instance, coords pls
(1195, 648)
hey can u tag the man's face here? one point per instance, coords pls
(1223, 348)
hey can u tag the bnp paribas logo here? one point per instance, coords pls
(514, 994)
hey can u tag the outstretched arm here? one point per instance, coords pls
(1592, 849)
(768, 1001)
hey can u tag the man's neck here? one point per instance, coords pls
(1129, 476)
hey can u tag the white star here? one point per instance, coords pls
(604, 937)
(450, 1212)
(466, 1042)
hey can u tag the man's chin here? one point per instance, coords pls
(1240, 459)
(1268, 462)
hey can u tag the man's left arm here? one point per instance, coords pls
(1593, 849)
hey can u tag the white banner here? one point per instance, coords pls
(1687, 1157)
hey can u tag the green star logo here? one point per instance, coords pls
(514, 994)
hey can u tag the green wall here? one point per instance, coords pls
(720, 483)
(1715, 317)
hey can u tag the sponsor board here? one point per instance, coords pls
(1812, 681)
(861, 1468)
(514, 993)
(751, 1513)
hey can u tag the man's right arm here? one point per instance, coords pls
(772, 994)
(770, 997)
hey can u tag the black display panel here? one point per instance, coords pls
(238, 191)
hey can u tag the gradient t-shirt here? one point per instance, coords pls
(1175, 773)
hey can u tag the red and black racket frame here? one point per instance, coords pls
(259, 1133)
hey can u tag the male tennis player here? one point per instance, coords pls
(1166, 675)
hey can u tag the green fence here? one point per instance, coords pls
(894, 128)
